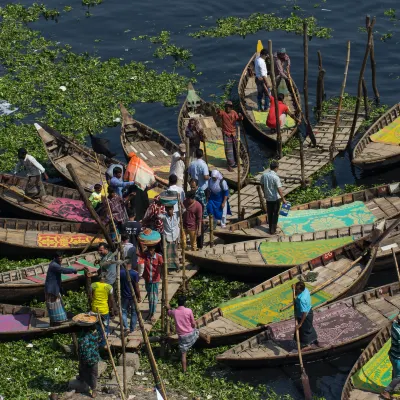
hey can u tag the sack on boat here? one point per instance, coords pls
(139, 172)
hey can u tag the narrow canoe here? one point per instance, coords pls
(22, 238)
(148, 144)
(262, 259)
(22, 285)
(60, 203)
(22, 322)
(248, 104)
(252, 311)
(341, 326)
(358, 386)
(382, 201)
(206, 114)
(369, 154)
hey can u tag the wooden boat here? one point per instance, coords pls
(245, 260)
(148, 144)
(22, 237)
(60, 203)
(22, 322)
(21, 285)
(341, 326)
(248, 103)
(206, 114)
(368, 154)
(223, 326)
(383, 201)
(350, 392)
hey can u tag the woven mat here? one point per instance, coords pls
(74, 210)
(390, 134)
(14, 322)
(261, 120)
(265, 307)
(57, 240)
(338, 324)
(303, 221)
(286, 253)
(215, 153)
(376, 374)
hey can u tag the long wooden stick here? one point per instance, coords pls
(238, 169)
(183, 241)
(365, 95)
(396, 264)
(111, 357)
(165, 298)
(373, 69)
(211, 223)
(30, 199)
(187, 162)
(263, 204)
(339, 109)
(154, 369)
(205, 150)
(275, 94)
(89, 206)
(305, 83)
(90, 243)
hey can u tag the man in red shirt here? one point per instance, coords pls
(283, 112)
(152, 263)
(229, 118)
(192, 218)
(185, 327)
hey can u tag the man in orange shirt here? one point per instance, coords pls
(283, 112)
(229, 118)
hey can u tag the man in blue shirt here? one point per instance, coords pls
(272, 186)
(126, 295)
(304, 315)
(198, 170)
(117, 183)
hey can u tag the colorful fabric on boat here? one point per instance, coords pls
(293, 253)
(376, 374)
(215, 153)
(14, 322)
(261, 118)
(390, 134)
(230, 144)
(55, 308)
(172, 256)
(302, 221)
(139, 172)
(74, 210)
(57, 240)
(265, 307)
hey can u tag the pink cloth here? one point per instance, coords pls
(74, 210)
(14, 322)
(184, 320)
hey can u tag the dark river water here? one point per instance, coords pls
(108, 33)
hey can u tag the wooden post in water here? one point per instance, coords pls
(275, 94)
(305, 83)
(373, 64)
(320, 68)
(165, 299)
(359, 89)
(238, 169)
(320, 95)
(335, 128)
(183, 240)
(89, 206)
(365, 96)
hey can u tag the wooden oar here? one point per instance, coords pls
(30, 199)
(90, 243)
(304, 378)
(395, 264)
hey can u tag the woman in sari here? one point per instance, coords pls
(218, 191)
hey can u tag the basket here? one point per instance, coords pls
(149, 237)
(84, 319)
(168, 198)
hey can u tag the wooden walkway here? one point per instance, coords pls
(134, 340)
(289, 166)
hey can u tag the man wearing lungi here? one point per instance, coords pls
(52, 290)
(34, 171)
(304, 315)
(229, 118)
(172, 235)
(185, 328)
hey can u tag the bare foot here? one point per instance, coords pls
(385, 395)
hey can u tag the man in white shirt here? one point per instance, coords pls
(178, 164)
(173, 187)
(198, 170)
(34, 187)
(263, 85)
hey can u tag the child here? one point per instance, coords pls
(95, 197)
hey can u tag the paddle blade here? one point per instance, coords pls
(306, 385)
(259, 46)
(100, 146)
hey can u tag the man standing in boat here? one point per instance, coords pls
(262, 82)
(304, 315)
(178, 164)
(282, 65)
(34, 171)
(272, 187)
(229, 118)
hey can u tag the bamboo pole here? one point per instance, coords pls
(156, 374)
(263, 204)
(305, 84)
(363, 65)
(187, 160)
(111, 357)
(205, 150)
(183, 241)
(373, 67)
(165, 299)
(88, 204)
(335, 128)
(211, 223)
(90, 243)
(88, 284)
(275, 94)
(320, 68)
(365, 95)
(238, 168)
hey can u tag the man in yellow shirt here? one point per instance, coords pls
(102, 301)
